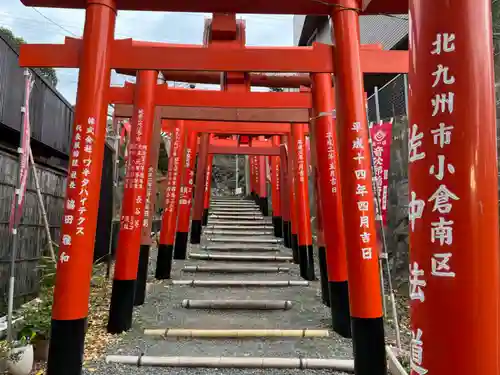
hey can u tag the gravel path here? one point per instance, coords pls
(163, 310)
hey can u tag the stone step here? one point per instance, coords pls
(236, 217)
(258, 247)
(239, 227)
(238, 221)
(238, 232)
(242, 258)
(243, 240)
(232, 269)
(238, 211)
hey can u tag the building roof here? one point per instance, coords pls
(389, 30)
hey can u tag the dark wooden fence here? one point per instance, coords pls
(51, 115)
(31, 232)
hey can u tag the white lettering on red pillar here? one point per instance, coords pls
(187, 189)
(171, 194)
(147, 205)
(208, 177)
(74, 211)
(87, 136)
(361, 174)
(257, 173)
(440, 203)
(300, 159)
(331, 161)
(277, 171)
(134, 178)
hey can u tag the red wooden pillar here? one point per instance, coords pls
(149, 213)
(276, 186)
(263, 203)
(186, 196)
(320, 239)
(453, 209)
(207, 189)
(199, 189)
(357, 195)
(285, 194)
(306, 252)
(169, 220)
(329, 193)
(134, 197)
(74, 270)
(256, 177)
(292, 199)
(252, 176)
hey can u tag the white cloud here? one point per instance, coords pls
(185, 28)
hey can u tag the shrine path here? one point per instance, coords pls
(163, 310)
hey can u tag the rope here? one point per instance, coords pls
(324, 114)
(139, 359)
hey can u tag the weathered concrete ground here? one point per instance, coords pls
(163, 310)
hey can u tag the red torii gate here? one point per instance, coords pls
(439, 39)
(243, 57)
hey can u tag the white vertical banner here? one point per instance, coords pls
(24, 153)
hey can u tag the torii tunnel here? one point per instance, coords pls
(453, 188)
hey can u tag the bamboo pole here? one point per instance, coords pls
(241, 283)
(344, 365)
(236, 304)
(237, 333)
(42, 207)
(241, 249)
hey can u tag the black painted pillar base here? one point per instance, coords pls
(67, 339)
(339, 304)
(311, 274)
(369, 346)
(295, 248)
(205, 217)
(302, 254)
(164, 262)
(195, 232)
(306, 259)
(264, 206)
(286, 235)
(323, 274)
(256, 198)
(278, 226)
(121, 306)
(142, 276)
(180, 250)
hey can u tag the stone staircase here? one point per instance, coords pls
(237, 305)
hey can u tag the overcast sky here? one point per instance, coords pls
(262, 30)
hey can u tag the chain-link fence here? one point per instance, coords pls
(389, 104)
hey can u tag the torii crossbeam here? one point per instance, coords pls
(236, 6)
(129, 55)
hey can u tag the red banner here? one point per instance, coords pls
(381, 135)
(17, 206)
